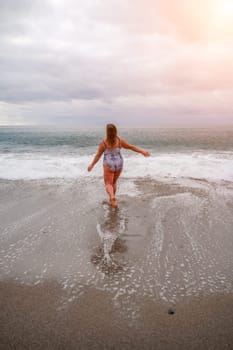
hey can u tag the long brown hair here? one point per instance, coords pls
(111, 133)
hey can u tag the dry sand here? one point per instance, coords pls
(155, 274)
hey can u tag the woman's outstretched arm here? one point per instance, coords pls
(97, 156)
(127, 145)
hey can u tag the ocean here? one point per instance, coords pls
(39, 152)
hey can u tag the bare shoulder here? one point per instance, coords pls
(101, 146)
(121, 140)
(102, 142)
(124, 143)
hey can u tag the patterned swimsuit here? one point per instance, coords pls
(112, 157)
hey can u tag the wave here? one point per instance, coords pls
(211, 166)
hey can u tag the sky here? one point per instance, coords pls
(130, 62)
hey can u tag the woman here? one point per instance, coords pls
(113, 161)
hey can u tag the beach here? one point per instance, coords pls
(116, 175)
(154, 274)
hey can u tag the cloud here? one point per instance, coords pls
(72, 60)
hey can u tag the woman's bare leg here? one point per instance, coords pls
(115, 178)
(108, 180)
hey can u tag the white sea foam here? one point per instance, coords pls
(211, 166)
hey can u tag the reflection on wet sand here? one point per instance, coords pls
(109, 230)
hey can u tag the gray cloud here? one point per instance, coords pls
(109, 58)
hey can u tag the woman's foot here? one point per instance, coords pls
(113, 202)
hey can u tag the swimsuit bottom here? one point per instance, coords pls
(113, 159)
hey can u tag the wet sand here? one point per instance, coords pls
(155, 274)
(31, 319)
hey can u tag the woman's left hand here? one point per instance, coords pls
(146, 153)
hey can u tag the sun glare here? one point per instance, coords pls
(219, 23)
(227, 7)
(224, 8)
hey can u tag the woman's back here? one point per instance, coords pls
(115, 145)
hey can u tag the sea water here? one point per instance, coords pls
(46, 152)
